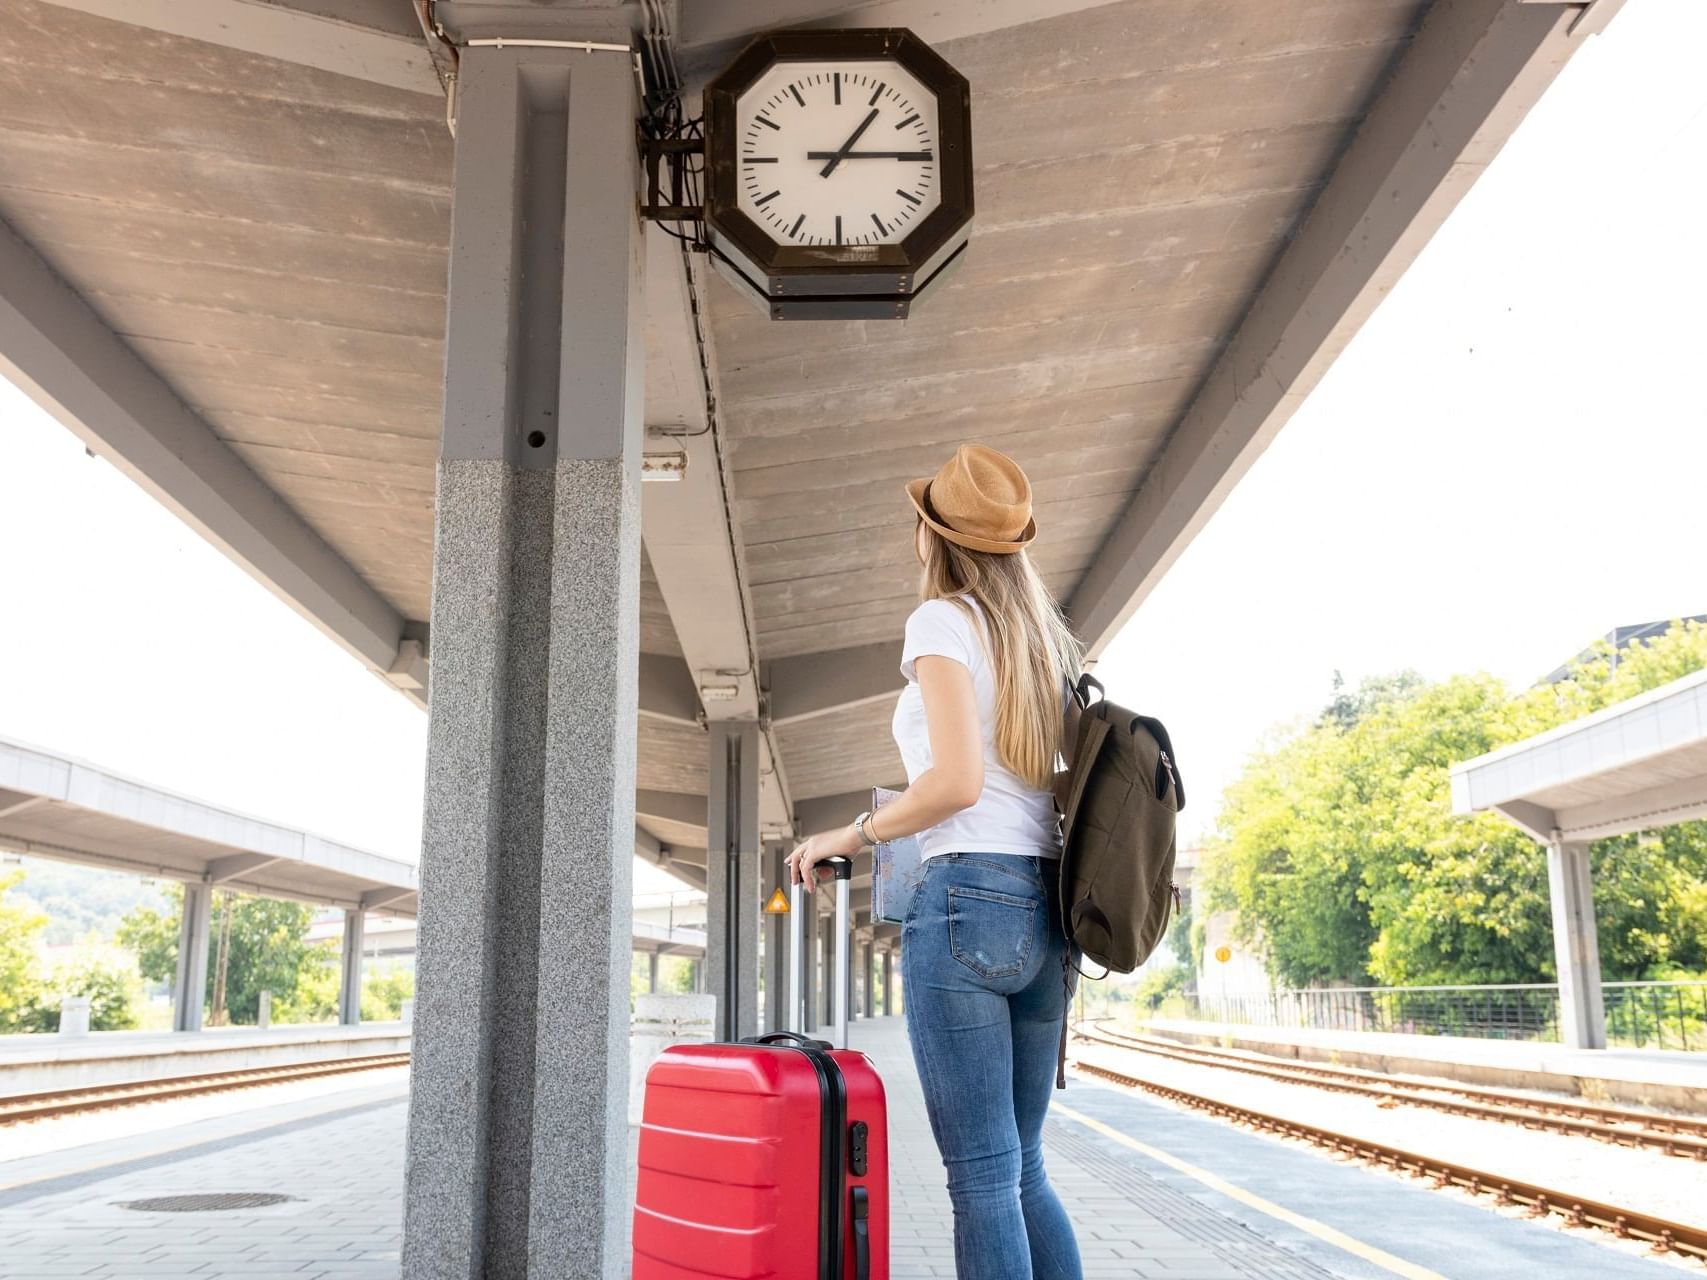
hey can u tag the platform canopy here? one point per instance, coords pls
(54, 806)
(223, 243)
(1631, 767)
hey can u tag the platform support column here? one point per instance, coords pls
(189, 990)
(868, 1000)
(652, 972)
(732, 876)
(889, 984)
(827, 968)
(518, 1137)
(350, 984)
(776, 942)
(1576, 946)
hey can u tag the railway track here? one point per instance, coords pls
(1664, 1235)
(38, 1106)
(1673, 1135)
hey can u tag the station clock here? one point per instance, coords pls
(838, 172)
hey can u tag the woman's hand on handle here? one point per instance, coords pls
(843, 842)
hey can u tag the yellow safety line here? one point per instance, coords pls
(1369, 1253)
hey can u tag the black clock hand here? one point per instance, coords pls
(869, 155)
(835, 157)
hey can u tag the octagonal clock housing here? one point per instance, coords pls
(839, 172)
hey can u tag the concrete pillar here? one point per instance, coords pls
(889, 983)
(189, 987)
(652, 973)
(517, 1135)
(776, 940)
(264, 1011)
(350, 982)
(1576, 946)
(732, 898)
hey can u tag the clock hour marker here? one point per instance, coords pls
(772, 123)
(909, 120)
(772, 196)
(877, 93)
(908, 196)
(759, 159)
(795, 90)
(838, 228)
(836, 80)
(881, 229)
(797, 222)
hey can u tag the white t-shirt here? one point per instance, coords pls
(1010, 816)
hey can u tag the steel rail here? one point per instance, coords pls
(1664, 1235)
(22, 1107)
(1675, 1136)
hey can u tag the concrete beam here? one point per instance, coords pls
(64, 357)
(686, 525)
(1472, 73)
(815, 684)
(365, 39)
(713, 22)
(820, 813)
(374, 899)
(667, 690)
(1536, 821)
(671, 806)
(235, 864)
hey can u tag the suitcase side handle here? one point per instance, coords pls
(859, 1211)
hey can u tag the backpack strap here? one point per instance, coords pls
(1092, 730)
(1082, 690)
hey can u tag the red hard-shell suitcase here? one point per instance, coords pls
(766, 1158)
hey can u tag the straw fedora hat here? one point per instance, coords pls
(980, 500)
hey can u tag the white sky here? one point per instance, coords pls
(1508, 461)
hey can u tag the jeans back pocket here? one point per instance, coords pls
(989, 932)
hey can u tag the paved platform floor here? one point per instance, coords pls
(339, 1157)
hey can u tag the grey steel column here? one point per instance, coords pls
(189, 989)
(868, 993)
(652, 972)
(776, 943)
(350, 983)
(1576, 946)
(732, 899)
(517, 1139)
(828, 977)
(889, 983)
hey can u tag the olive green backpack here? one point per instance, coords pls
(1118, 803)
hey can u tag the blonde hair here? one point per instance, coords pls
(1031, 648)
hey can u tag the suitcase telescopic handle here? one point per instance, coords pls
(798, 905)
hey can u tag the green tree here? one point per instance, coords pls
(268, 947)
(20, 987)
(114, 991)
(1338, 845)
(383, 995)
(314, 996)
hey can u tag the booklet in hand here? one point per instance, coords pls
(897, 867)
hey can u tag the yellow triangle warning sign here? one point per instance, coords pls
(778, 905)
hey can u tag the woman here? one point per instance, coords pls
(989, 665)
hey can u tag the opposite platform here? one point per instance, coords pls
(1651, 1077)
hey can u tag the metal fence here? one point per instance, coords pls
(1651, 1015)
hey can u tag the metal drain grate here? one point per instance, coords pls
(211, 1202)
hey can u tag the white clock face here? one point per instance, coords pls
(841, 152)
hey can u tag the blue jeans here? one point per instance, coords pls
(984, 978)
